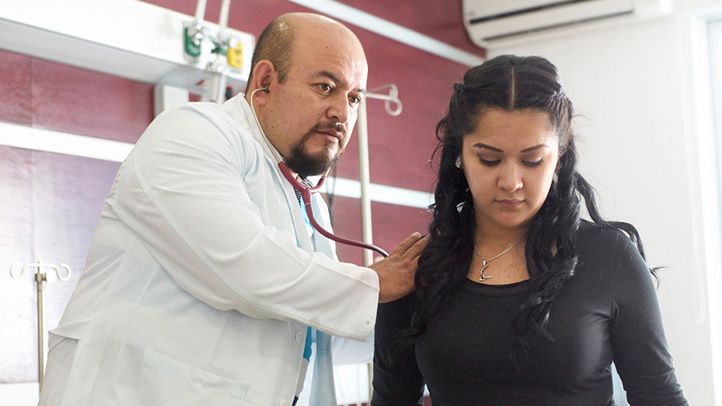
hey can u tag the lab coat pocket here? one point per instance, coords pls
(165, 381)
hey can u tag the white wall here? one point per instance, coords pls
(631, 85)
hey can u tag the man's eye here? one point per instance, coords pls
(325, 87)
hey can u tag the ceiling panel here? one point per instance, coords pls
(439, 19)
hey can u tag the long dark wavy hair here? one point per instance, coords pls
(507, 83)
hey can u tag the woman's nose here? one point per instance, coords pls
(510, 179)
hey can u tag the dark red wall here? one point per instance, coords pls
(49, 203)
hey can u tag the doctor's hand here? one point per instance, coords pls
(396, 272)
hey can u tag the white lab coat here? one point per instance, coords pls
(201, 278)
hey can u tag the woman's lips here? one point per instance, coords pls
(509, 204)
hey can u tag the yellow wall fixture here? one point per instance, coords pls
(221, 49)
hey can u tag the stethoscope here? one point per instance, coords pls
(306, 191)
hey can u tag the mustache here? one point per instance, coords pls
(332, 126)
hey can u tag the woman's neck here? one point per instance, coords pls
(499, 236)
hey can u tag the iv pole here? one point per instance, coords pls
(364, 174)
(41, 279)
(363, 159)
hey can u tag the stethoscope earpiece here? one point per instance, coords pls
(260, 89)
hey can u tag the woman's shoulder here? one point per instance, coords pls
(406, 304)
(602, 237)
(610, 251)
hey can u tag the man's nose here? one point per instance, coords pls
(340, 109)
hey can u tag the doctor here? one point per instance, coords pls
(203, 281)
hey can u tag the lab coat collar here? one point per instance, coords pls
(240, 110)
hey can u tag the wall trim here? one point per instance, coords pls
(39, 139)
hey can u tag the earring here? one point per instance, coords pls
(555, 179)
(458, 162)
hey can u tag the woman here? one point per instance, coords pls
(518, 300)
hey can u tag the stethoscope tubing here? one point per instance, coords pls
(306, 196)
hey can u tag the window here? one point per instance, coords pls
(714, 214)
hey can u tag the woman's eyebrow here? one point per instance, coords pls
(484, 146)
(481, 145)
(535, 147)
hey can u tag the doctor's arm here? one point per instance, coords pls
(184, 194)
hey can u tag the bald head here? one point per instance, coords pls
(290, 33)
(308, 80)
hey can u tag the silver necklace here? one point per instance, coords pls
(485, 262)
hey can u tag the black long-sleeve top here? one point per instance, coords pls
(607, 312)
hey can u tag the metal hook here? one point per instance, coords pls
(40, 267)
(392, 97)
(57, 271)
(22, 270)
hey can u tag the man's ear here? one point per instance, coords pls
(264, 74)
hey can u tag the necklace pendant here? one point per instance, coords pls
(483, 277)
(485, 262)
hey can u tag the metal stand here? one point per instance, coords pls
(363, 159)
(41, 279)
(365, 178)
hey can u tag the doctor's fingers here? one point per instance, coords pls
(396, 277)
(411, 245)
(415, 250)
(401, 264)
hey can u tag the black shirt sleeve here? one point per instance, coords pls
(397, 380)
(637, 334)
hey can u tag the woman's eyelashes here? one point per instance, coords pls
(531, 163)
(489, 162)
